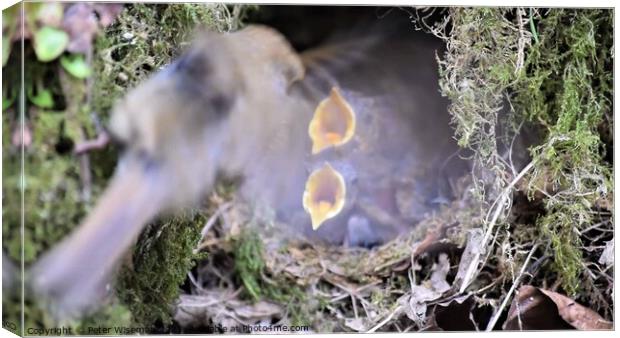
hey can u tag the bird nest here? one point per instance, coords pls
(322, 287)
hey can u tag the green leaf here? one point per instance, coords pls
(75, 65)
(7, 102)
(49, 43)
(6, 49)
(9, 17)
(43, 99)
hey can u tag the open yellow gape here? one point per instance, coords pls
(325, 195)
(333, 123)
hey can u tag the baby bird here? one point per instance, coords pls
(383, 126)
(245, 104)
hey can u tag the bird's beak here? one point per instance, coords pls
(77, 269)
(325, 195)
(333, 123)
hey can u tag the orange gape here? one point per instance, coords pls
(325, 194)
(317, 137)
(333, 123)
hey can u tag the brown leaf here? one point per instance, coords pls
(107, 13)
(455, 315)
(23, 30)
(416, 304)
(537, 309)
(50, 14)
(532, 310)
(80, 23)
(576, 314)
(433, 236)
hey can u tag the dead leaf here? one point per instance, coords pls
(260, 310)
(335, 268)
(537, 309)
(357, 324)
(433, 235)
(455, 315)
(192, 310)
(23, 30)
(472, 250)
(296, 253)
(440, 272)
(576, 314)
(222, 308)
(107, 13)
(607, 257)
(532, 310)
(80, 23)
(50, 14)
(416, 305)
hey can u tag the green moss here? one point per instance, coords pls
(161, 260)
(555, 68)
(249, 263)
(568, 89)
(567, 257)
(250, 268)
(113, 316)
(479, 66)
(51, 176)
(51, 182)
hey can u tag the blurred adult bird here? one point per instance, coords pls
(352, 139)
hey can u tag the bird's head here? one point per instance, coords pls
(202, 114)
